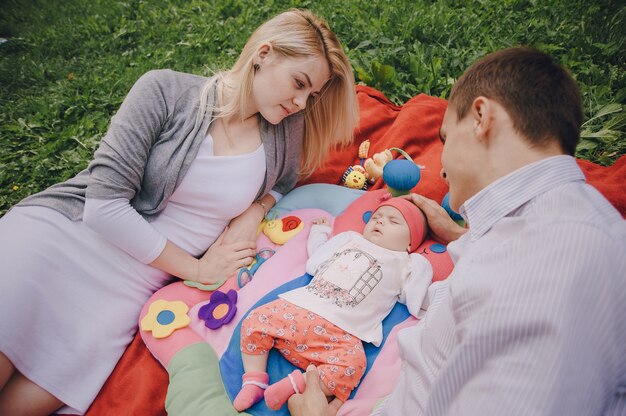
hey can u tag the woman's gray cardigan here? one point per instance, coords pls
(151, 142)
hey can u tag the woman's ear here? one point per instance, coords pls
(263, 54)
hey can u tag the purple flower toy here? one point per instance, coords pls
(220, 310)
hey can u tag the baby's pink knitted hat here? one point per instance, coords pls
(413, 217)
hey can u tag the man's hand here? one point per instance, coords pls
(313, 401)
(442, 227)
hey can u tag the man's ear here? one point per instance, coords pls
(482, 115)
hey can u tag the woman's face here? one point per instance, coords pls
(282, 86)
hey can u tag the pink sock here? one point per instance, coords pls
(254, 382)
(278, 393)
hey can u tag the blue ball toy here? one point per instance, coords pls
(401, 176)
(445, 203)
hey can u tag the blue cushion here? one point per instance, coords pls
(330, 198)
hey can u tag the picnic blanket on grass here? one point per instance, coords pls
(139, 383)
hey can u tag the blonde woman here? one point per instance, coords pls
(186, 172)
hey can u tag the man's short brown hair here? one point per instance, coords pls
(540, 96)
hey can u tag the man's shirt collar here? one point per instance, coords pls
(512, 191)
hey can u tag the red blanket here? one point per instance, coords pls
(138, 384)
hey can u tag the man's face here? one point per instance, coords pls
(460, 158)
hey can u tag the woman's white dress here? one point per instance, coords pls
(70, 300)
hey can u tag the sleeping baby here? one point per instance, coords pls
(357, 279)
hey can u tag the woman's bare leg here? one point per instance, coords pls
(6, 370)
(20, 396)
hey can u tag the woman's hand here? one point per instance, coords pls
(245, 226)
(219, 262)
(223, 259)
(442, 227)
(312, 402)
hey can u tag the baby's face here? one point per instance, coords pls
(388, 228)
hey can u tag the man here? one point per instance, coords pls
(531, 320)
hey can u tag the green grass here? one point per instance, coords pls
(68, 64)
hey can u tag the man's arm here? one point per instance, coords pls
(541, 338)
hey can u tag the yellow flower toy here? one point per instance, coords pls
(165, 317)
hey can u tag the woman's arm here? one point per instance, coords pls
(219, 262)
(118, 166)
(116, 173)
(245, 227)
(118, 223)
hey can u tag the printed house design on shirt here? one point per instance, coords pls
(347, 277)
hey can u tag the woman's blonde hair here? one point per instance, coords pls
(331, 116)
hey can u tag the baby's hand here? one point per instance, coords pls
(321, 221)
